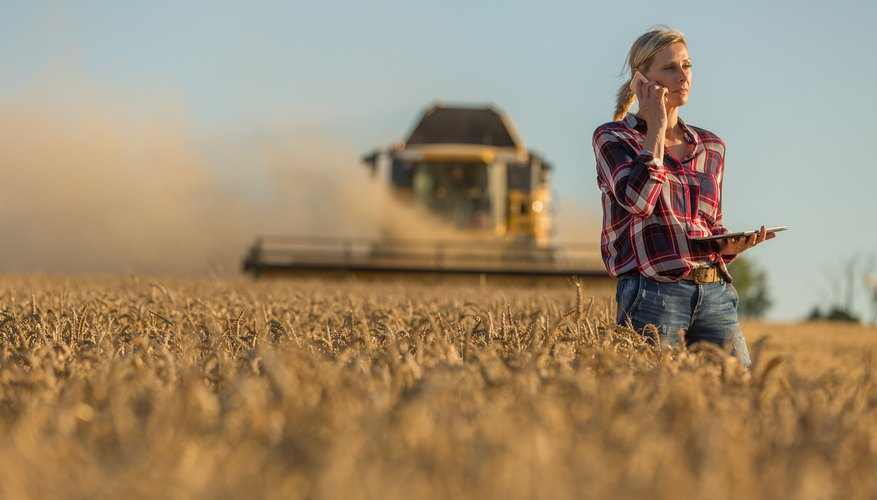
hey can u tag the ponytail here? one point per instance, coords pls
(624, 101)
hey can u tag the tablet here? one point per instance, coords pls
(738, 234)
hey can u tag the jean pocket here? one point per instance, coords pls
(627, 295)
(735, 297)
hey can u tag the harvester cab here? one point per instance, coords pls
(469, 167)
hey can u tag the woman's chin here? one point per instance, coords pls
(677, 101)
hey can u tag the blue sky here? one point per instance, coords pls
(785, 84)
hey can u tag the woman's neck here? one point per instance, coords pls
(672, 120)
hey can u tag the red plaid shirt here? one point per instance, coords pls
(652, 209)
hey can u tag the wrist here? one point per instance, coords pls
(658, 123)
(654, 142)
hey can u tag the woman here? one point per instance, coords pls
(661, 181)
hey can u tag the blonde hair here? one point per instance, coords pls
(640, 57)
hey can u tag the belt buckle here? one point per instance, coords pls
(705, 275)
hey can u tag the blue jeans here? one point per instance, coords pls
(706, 313)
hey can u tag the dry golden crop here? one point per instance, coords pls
(131, 387)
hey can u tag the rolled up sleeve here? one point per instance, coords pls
(634, 179)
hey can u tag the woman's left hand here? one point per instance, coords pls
(734, 246)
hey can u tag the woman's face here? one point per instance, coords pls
(671, 68)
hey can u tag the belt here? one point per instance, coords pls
(704, 275)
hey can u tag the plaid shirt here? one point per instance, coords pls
(652, 209)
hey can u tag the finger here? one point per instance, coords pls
(751, 240)
(660, 92)
(663, 95)
(762, 234)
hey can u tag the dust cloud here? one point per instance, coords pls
(97, 185)
(86, 190)
(574, 223)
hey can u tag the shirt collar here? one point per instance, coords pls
(638, 124)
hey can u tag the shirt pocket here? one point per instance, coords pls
(675, 191)
(709, 196)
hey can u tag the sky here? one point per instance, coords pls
(217, 87)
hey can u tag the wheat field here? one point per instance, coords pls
(136, 387)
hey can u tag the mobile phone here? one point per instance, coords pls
(637, 77)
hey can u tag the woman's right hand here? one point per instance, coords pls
(652, 98)
(734, 246)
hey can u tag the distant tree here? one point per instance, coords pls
(835, 313)
(840, 314)
(751, 284)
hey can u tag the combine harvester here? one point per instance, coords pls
(467, 167)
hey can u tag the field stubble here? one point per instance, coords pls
(129, 387)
